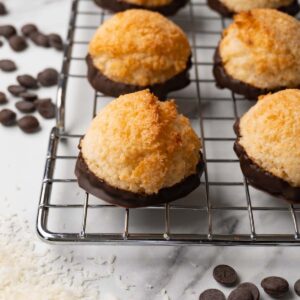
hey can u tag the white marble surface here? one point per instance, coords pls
(115, 272)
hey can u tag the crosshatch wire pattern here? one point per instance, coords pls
(224, 210)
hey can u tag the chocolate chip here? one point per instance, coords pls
(40, 39)
(251, 288)
(33, 35)
(48, 77)
(7, 31)
(17, 43)
(46, 108)
(7, 117)
(29, 124)
(212, 294)
(225, 275)
(38, 101)
(16, 90)
(275, 286)
(27, 96)
(27, 81)
(56, 41)
(7, 65)
(3, 10)
(25, 106)
(240, 294)
(297, 287)
(1, 43)
(28, 29)
(3, 98)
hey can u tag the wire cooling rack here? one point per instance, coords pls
(224, 210)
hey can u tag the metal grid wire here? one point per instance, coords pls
(221, 212)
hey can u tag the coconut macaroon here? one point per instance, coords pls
(228, 8)
(268, 144)
(259, 53)
(138, 49)
(165, 7)
(139, 151)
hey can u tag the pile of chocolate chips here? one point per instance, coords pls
(275, 287)
(29, 101)
(19, 43)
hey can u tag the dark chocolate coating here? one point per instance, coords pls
(99, 188)
(117, 5)
(217, 5)
(224, 80)
(262, 179)
(112, 88)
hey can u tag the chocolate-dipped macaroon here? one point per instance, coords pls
(268, 144)
(165, 7)
(138, 152)
(228, 8)
(259, 53)
(138, 49)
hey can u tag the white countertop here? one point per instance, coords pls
(115, 272)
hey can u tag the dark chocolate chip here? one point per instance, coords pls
(3, 98)
(7, 65)
(38, 101)
(17, 43)
(275, 286)
(3, 10)
(28, 29)
(29, 124)
(48, 77)
(297, 287)
(56, 41)
(240, 294)
(225, 275)
(27, 81)
(251, 288)
(40, 39)
(46, 108)
(212, 294)
(7, 31)
(1, 43)
(16, 90)
(7, 117)
(25, 106)
(32, 36)
(27, 96)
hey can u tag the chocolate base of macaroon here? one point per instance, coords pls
(222, 9)
(112, 88)
(261, 179)
(99, 188)
(224, 80)
(117, 6)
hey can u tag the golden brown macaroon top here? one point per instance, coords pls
(245, 5)
(139, 144)
(262, 48)
(270, 134)
(139, 47)
(149, 3)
